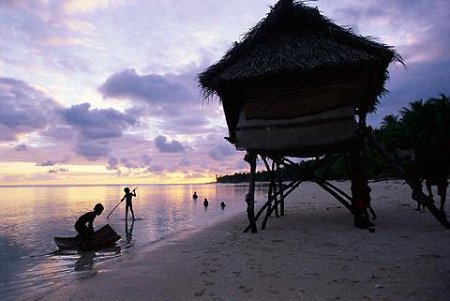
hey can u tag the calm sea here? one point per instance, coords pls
(31, 216)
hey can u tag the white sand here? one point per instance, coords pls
(312, 253)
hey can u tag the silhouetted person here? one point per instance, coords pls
(195, 196)
(205, 203)
(129, 204)
(222, 205)
(85, 224)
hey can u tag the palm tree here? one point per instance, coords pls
(426, 126)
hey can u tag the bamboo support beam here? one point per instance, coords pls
(348, 197)
(335, 194)
(250, 197)
(298, 182)
(271, 193)
(280, 183)
(290, 187)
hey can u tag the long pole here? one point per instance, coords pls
(113, 209)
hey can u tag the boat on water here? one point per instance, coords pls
(104, 237)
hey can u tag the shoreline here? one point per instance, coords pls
(312, 253)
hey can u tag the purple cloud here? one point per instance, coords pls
(113, 163)
(58, 170)
(185, 162)
(156, 168)
(146, 160)
(153, 89)
(21, 148)
(221, 152)
(187, 125)
(23, 109)
(93, 150)
(97, 123)
(47, 163)
(128, 163)
(165, 146)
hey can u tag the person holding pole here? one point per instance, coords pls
(128, 204)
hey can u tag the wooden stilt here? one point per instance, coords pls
(360, 192)
(292, 186)
(271, 194)
(250, 197)
(276, 189)
(348, 197)
(288, 188)
(335, 194)
(280, 183)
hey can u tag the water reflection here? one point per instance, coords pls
(85, 262)
(34, 215)
(129, 231)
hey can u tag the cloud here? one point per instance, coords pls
(146, 160)
(23, 109)
(152, 89)
(164, 146)
(47, 163)
(156, 168)
(58, 170)
(221, 152)
(93, 150)
(21, 148)
(185, 162)
(97, 123)
(113, 163)
(86, 6)
(196, 123)
(129, 164)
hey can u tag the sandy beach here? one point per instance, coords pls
(312, 253)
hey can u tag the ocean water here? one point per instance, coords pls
(31, 216)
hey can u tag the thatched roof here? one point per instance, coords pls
(295, 38)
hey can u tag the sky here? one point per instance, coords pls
(105, 91)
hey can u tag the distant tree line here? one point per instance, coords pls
(423, 126)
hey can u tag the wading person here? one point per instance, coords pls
(128, 201)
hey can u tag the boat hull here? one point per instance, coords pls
(104, 237)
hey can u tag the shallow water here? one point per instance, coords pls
(32, 216)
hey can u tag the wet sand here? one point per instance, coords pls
(312, 253)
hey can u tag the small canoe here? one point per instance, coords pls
(104, 237)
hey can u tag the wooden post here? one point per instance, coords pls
(271, 194)
(288, 189)
(280, 183)
(250, 157)
(360, 192)
(334, 191)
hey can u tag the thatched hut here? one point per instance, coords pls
(298, 84)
